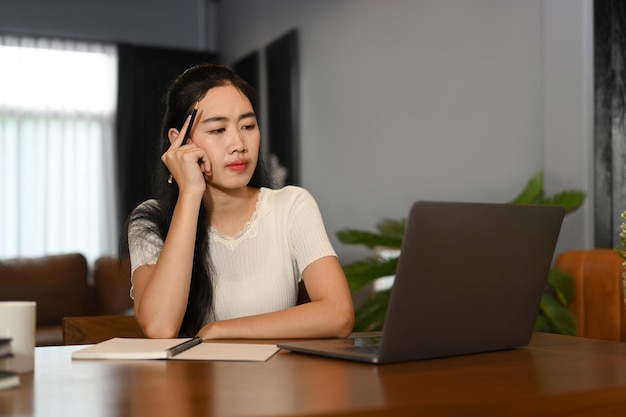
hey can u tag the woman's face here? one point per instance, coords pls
(227, 129)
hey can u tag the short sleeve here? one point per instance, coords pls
(144, 243)
(308, 236)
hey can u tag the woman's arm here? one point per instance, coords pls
(161, 291)
(329, 314)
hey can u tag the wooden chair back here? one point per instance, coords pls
(95, 329)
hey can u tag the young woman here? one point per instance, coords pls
(219, 254)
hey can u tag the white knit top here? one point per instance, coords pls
(258, 270)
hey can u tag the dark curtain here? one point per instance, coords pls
(248, 68)
(143, 77)
(610, 119)
(283, 98)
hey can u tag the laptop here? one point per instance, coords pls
(469, 279)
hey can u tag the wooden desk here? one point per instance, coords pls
(555, 375)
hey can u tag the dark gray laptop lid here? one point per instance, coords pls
(469, 279)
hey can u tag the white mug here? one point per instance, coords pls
(18, 321)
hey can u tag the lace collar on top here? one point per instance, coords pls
(250, 229)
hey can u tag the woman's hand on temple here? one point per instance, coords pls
(187, 163)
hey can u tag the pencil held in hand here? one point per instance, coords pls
(190, 125)
(187, 134)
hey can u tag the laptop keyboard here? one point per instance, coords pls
(369, 345)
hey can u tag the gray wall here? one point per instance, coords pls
(400, 100)
(432, 99)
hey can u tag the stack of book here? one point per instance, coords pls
(8, 379)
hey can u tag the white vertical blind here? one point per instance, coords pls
(57, 118)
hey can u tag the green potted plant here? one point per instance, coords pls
(554, 313)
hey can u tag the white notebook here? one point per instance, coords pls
(179, 349)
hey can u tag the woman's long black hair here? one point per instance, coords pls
(183, 93)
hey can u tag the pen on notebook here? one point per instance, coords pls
(187, 134)
(175, 350)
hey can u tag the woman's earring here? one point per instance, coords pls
(170, 179)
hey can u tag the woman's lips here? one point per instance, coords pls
(238, 165)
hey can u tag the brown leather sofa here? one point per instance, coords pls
(64, 285)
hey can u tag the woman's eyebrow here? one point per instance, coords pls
(247, 115)
(224, 118)
(214, 119)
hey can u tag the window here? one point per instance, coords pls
(57, 118)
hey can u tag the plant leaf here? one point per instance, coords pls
(533, 191)
(571, 200)
(371, 315)
(393, 229)
(363, 272)
(560, 318)
(562, 283)
(369, 239)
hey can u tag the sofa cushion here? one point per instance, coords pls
(112, 286)
(58, 284)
